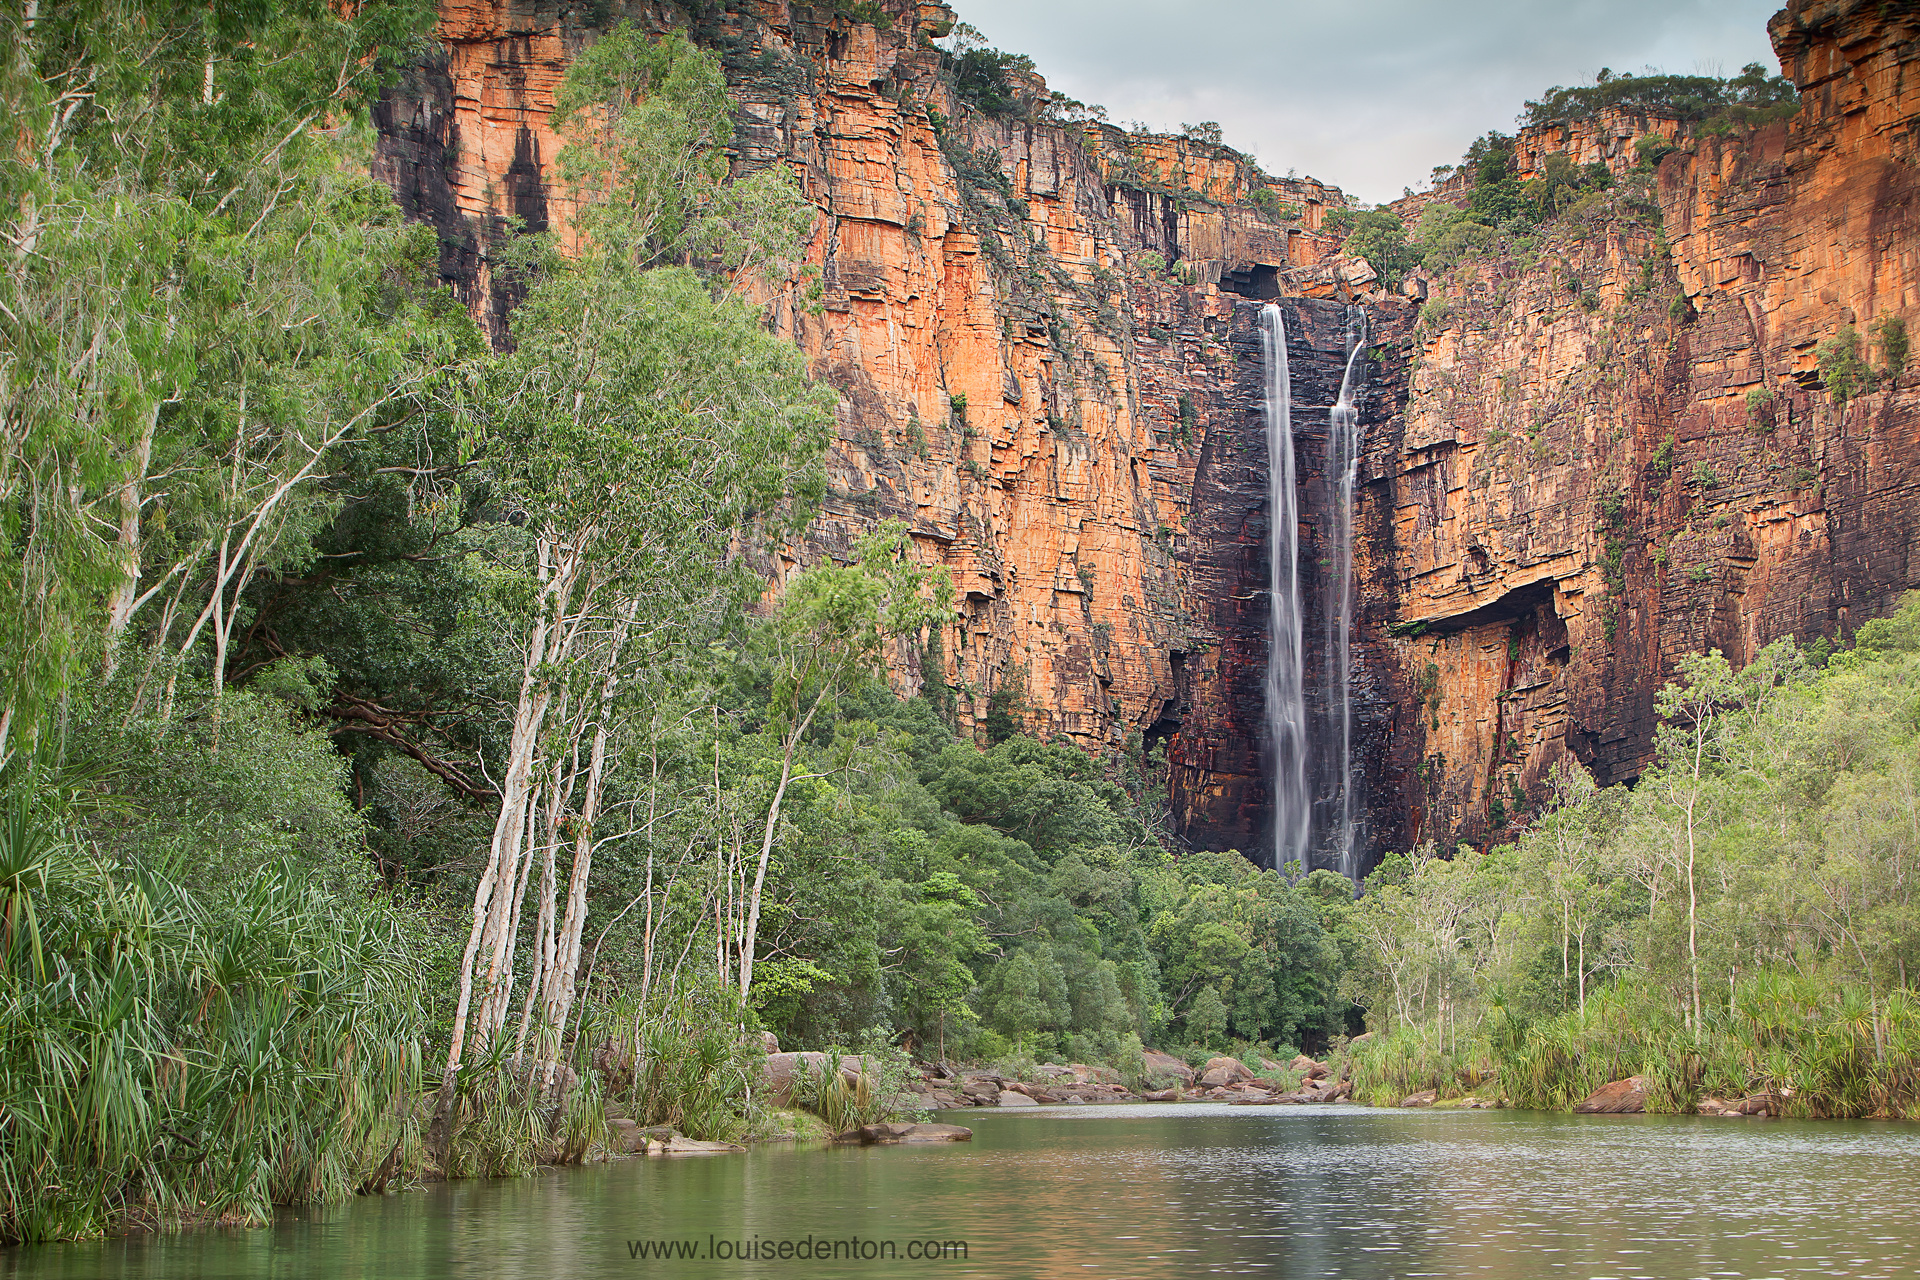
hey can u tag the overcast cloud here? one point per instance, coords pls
(1369, 95)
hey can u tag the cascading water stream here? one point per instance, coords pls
(1286, 696)
(1344, 440)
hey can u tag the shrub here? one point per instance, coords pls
(1662, 460)
(1842, 370)
(1651, 149)
(1377, 236)
(1891, 333)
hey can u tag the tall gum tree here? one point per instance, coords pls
(645, 424)
(184, 311)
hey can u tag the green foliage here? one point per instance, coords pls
(1499, 206)
(1652, 148)
(1741, 923)
(1189, 419)
(1890, 333)
(680, 1061)
(985, 78)
(1435, 314)
(1006, 708)
(1844, 372)
(1716, 105)
(188, 1042)
(205, 289)
(1378, 236)
(1272, 207)
(1661, 463)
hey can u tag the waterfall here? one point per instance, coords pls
(1286, 698)
(1344, 440)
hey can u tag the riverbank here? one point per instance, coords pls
(1781, 1046)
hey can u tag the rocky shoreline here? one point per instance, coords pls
(1302, 1081)
(938, 1087)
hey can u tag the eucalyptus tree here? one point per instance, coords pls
(184, 308)
(1692, 744)
(831, 630)
(643, 427)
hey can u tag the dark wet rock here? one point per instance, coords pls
(905, 1131)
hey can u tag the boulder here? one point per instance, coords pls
(1301, 1064)
(1009, 1098)
(782, 1070)
(1223, 1071)
(1084, 1074)
(937, 1133)
(904, 1131)
(1616, 1098)
(1161, 1095)
(624, 1137)
(1362, 1038)
(1318, 1071)
(665, 1142)
(1165, 1064)
(1424, 1098)
(770, 1042)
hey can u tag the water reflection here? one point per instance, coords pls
(1151, 1191)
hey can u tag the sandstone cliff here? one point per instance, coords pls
(1618, 449)
(1042, 329)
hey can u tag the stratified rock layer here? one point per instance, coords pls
(1615, 454)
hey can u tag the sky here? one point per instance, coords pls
(1369, 95)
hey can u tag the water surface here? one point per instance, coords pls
(1147, 1191)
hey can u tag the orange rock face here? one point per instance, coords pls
(1042, 333)
(1614, 456)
